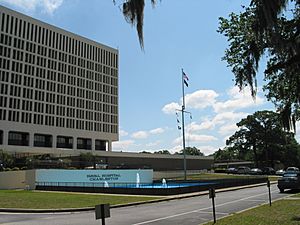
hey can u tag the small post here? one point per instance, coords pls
(269, 187)
(212, 195)
(102, 211)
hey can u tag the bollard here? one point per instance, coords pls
(212, 195)
(269, 187)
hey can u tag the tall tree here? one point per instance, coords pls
(266, 28)
(261, 138)
(227, 154)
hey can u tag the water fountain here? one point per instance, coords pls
(137, 180)
(106, 184)
(164, 183)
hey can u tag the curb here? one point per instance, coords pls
(174, 197)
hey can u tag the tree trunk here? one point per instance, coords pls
(255, 155)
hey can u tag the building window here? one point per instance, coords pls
(84, 143)
(100, 145)
(42, 140)
(2, 114)
(13, 116)
(1, 137)
(18, 138)
(64, 142)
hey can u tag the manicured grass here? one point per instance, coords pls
(210, 176)
(52, 200)
(273, 178)
(282, 212)
(297, 195)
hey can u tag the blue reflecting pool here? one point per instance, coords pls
(160, 185)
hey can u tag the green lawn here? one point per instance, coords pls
(51, 200)
(208, 176)
(282, 212)
(297, 195)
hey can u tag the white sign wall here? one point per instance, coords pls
(94, 176)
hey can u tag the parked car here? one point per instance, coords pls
(256, 171)
(292, 168)
(289, 180)
(232, 170)
(243, 170)
(268, 171)
(280, 172)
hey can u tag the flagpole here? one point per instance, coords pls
(183, 132)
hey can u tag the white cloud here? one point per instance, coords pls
(224, 117)
(198, 100)
(52, 5)
(228, 129)
(144, 134)
(193, 127)
(171, 108)
(123, 133)
(201, 138)
(219, 119)
(207, 150)
(175, 149)
(49, 6)
(238, 100)
(157, 131)
(28, 4)
(196, 138)
(140, 135)
(153, 144)
(201, 99)
(122, 145)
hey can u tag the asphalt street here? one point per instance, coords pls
(188, 211)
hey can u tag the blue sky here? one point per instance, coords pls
(177, 34)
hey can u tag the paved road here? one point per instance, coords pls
(189, 211)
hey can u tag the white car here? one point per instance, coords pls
(292, 168)
(280, 172)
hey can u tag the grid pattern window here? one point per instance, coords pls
(55, 78)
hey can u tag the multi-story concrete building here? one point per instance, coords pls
(58, 90)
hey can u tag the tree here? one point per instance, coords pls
(265, 28)
(226, 154)
(87, 159)
(191, 151)
(290, 154)
(145, 152)
(7, 160)
(261, 138)
(165, 152)
(133, 11)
